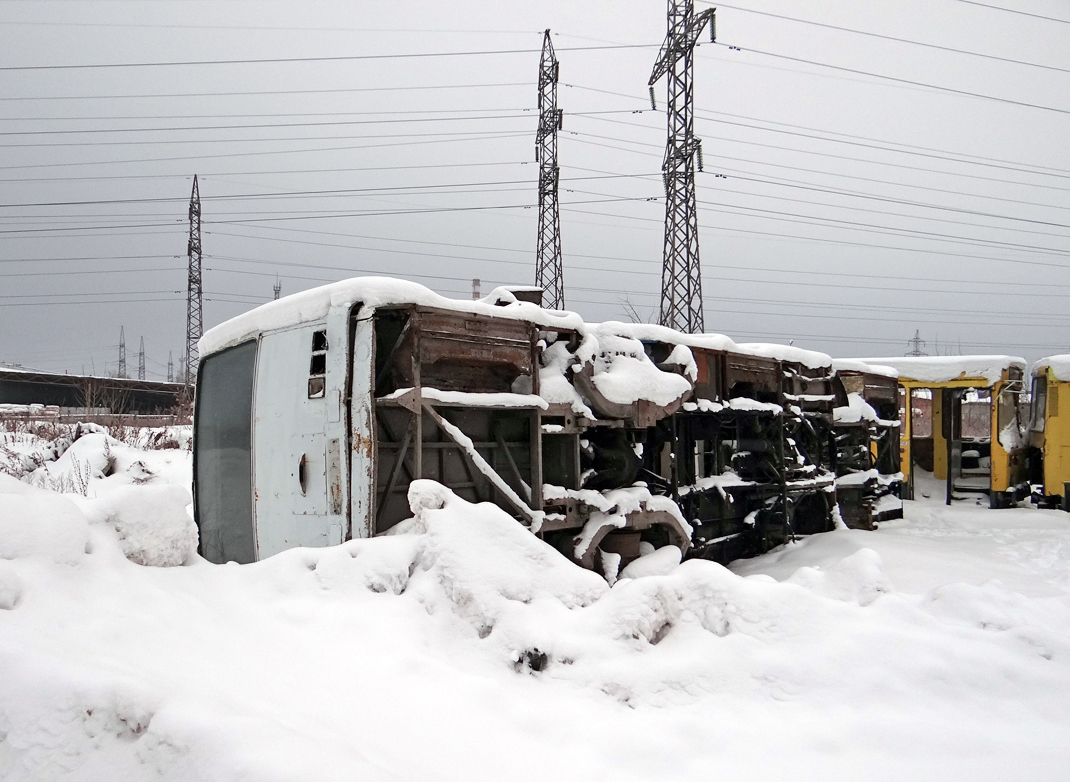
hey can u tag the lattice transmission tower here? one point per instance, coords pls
(170, 367)
(194, 293)
(122, 352)
(548, 272)
(916, 344)
(141, 360)
(681, 278)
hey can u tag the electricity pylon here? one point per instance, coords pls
(122, 352)
(681, 278)
(170, 368)
(141, 361)
(194, 293)
(548, 272)
(916, 343)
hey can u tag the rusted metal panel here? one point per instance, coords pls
(709, 384)
(751, 377)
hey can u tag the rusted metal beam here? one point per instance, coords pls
(512, 463)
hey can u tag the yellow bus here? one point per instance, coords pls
(1049, 432)
(961, 430)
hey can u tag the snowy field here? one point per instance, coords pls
(462, 648)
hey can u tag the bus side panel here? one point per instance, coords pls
(1056, 439)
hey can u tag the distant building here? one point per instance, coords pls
(79, 393)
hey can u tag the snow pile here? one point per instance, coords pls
(37, 523)
(153, 523)
(656, 562)
(482, 560)
(463, 647)
(96, 479)
(623, 373)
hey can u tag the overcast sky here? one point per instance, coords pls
(838, 209)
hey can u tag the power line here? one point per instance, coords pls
(885, 182)
(338, 58)
(717, 278)
(977, 159)
(1015, 11)
(296, 193)
(807, 186)
(705, 112)
(980, 158)
(471, 136)
(897, 79)
(260, 173)
(579, 137)
(892, 38)
(265, 125)
(244, 93)
(243, 28)
(780, 235)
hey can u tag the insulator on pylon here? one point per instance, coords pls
(560, 120)
(698, 152)
(713, 26)
(653, 103)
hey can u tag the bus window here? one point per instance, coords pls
(223, 467)
(1040, 398)
(1007, 415)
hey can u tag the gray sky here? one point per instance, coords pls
(852, 209)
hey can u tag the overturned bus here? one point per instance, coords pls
(316, 411)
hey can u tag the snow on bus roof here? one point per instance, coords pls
(649, 332)
(941, 369)
(1059, 366)
(857, 365)
(313, 305)
(811, 359)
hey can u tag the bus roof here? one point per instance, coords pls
(944, 369)
(1059, 366)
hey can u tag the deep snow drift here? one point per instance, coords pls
(461, 647)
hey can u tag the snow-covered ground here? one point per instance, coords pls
(936, 648)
